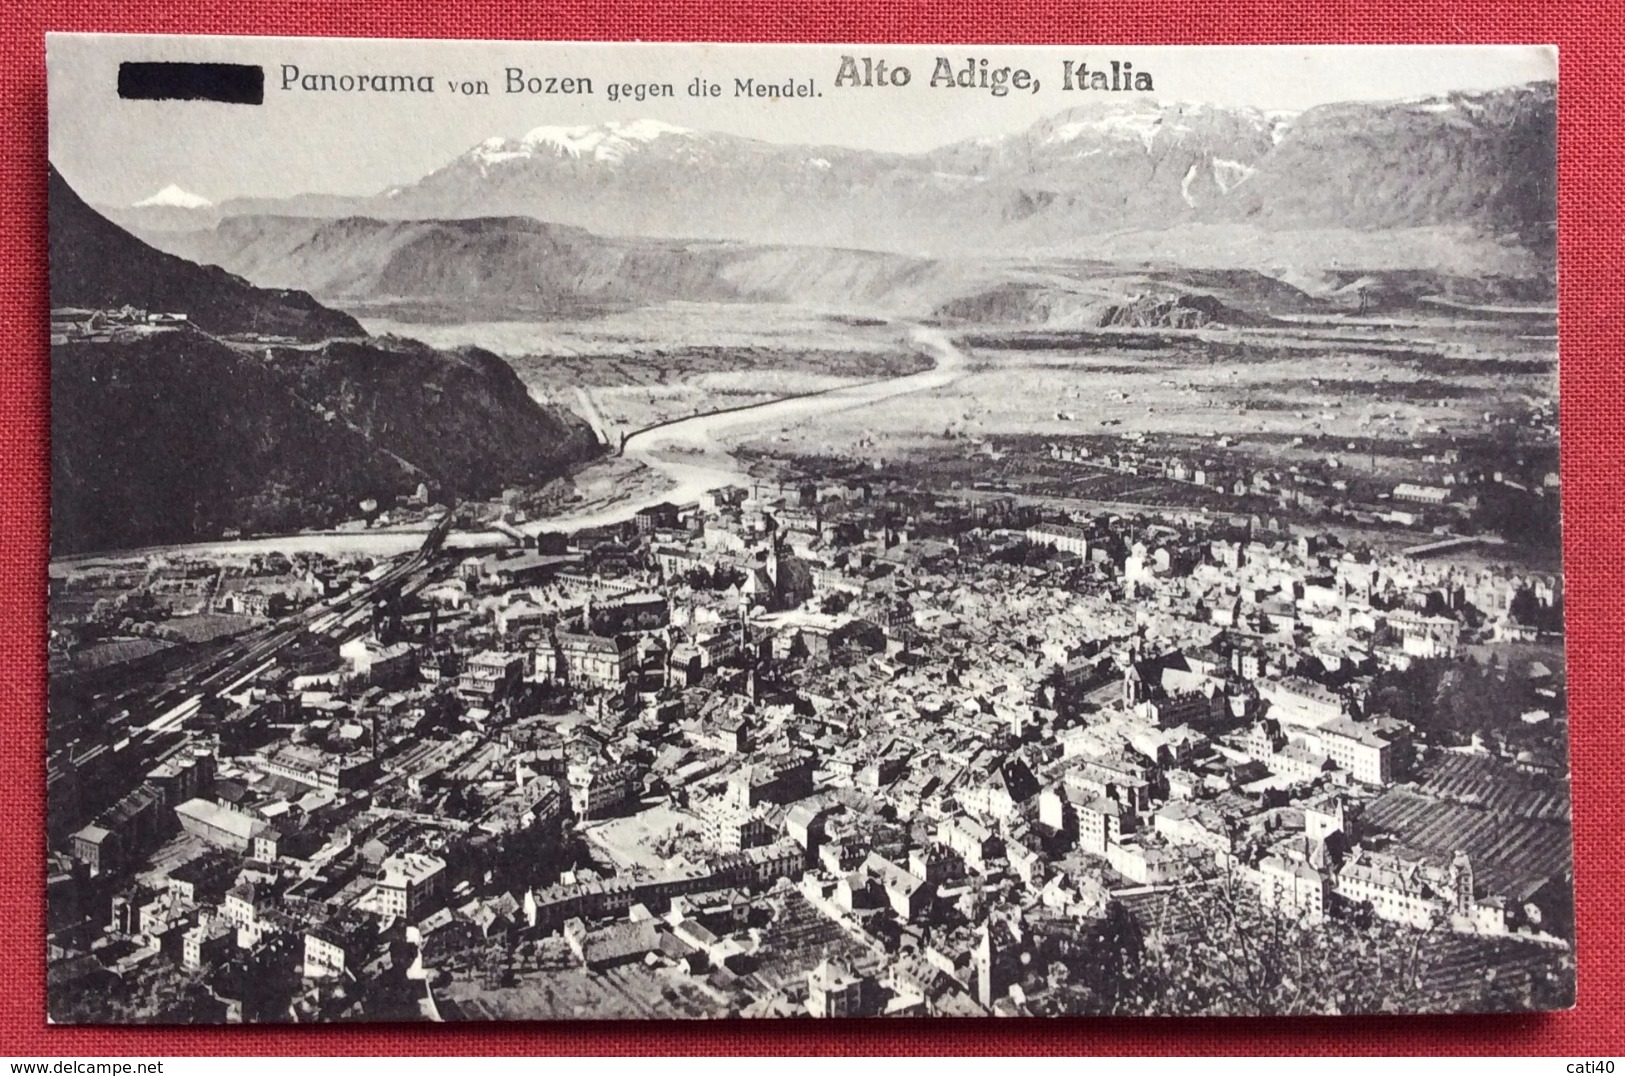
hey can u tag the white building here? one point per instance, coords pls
(410, 883)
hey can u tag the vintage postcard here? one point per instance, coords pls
(559, 531)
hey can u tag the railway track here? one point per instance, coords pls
(212, 674)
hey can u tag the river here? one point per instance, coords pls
(689, 455)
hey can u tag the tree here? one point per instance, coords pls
(835, 603)
(1217, 951)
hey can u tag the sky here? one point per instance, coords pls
(115, 152)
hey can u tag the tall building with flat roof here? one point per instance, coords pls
(833, 991)
(410, 883)
(490, 676)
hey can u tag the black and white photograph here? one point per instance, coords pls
(548, 531)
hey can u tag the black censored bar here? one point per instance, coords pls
(232, 84)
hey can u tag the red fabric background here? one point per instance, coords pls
(1592, 103)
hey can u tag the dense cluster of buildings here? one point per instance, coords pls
(909, 724)
(1440, 488)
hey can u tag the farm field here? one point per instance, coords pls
(628, 992)
(1493, 786)
(1508, 852)
(1462, 973)
(677, 359)
(116, 652)
(1271, 385)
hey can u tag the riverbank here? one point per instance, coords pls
(674, 461)
(690, 454)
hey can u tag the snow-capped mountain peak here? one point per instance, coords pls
(174, 197)
(1101, 165)
(1140, 124)
(608, 142)
(1146, 121)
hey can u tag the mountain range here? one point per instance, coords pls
(180, 433)
(1483, 161)
(96, 265)
(273, 409)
